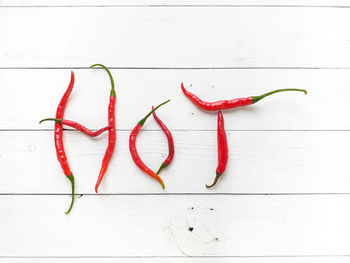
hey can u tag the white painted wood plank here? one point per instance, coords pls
(262, 162)
(327, 259)
(160, 226)
(259, 162)
(92, 3)
(175, 37)
(30, 95)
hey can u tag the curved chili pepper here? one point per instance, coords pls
(229, 104)
(111, 133)
(222, 150)
(58, 136)
(77, 126)
(133, 151)
(170, 142)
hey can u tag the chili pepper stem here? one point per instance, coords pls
(161, 167)
(215, 180)
(59, 121)
(142, 122)
(110, 77)
(71, 179)
(257, 98)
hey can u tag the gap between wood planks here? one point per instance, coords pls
(170, 194)
(187, 130)
(177, 68)
(179, 5)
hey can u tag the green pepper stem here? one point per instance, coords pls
(257, 98)
(142, 122)
(161, 168)
(51, 119)
(215, 180)
(110, 76)
(71, 179)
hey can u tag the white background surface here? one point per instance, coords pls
(285, 195)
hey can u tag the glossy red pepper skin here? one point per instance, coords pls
(83, 129)
(112, 130)
(217, 105)
(135, 156)
(111, 141)
(78, 126)
(222, 149)
(170, 142)
(58, 135)
(133, 150)
(229, 104)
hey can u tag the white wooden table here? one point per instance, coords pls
(285, 196)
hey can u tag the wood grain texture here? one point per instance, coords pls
(259, 162)
(184, 226)
(34, 95)
(175, 37)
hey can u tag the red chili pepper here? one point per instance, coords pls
(170, 142)
(58, 136)
(112, 131)
(222, 150)
(229, 104)
(78, 126)
(133, 151)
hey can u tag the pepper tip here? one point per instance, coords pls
(71, 179)
(161, 182)
(215, 180)
(182, 87)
